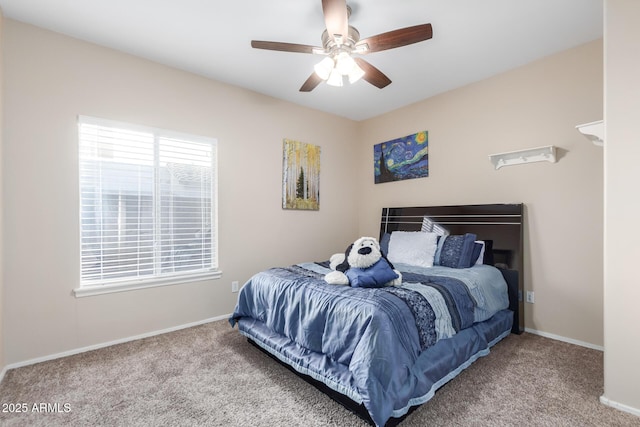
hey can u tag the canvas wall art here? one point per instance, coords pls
(402, 158)
(300, 176)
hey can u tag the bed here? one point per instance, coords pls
(384, 351)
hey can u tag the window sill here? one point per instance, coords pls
(87, 291)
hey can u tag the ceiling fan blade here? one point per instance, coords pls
(395, 38)
(284, 47)
(372, 74)
(311, 83)
(336, 18)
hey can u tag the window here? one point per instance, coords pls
(147, 207)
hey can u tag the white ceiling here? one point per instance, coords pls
(472, 40)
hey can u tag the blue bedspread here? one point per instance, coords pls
(376, 334)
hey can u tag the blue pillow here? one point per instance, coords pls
(457, 251)
(477, 248)
(384, 243)
(375, 276)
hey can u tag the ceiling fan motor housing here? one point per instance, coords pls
(330, 44)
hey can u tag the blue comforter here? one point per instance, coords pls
(378, 334)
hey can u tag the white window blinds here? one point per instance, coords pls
(147, 203)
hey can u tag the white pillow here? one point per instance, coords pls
(412, 248)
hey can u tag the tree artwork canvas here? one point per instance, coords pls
(401, 158)
(300, 176)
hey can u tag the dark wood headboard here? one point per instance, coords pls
(501, 223)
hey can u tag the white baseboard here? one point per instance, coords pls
(620, 406)
(564, 339)
(4, 371)
(605, 401)
(108, 344)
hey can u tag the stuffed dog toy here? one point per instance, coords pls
(362, 266)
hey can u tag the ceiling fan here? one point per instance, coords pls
(340, 41)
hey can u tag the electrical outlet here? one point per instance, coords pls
(531, 297)
(234, 286)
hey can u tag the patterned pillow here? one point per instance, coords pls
(456, 251)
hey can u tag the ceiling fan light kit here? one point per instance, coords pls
(355, 74)
(333, 70)
(335, 78)
(340, 42)
(324, 68)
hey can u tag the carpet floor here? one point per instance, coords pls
(210, 375)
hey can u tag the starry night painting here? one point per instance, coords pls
(402, 158)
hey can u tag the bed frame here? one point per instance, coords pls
(501, 223)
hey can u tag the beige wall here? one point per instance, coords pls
(622, 205)
(535, 105)
(50, 79)
(2, 359)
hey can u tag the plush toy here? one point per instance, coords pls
(362, 266)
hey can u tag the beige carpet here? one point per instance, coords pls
(210, 376)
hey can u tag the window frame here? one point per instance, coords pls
(164, 279)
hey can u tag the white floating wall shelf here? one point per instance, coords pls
(530, 155)
(594, 132)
